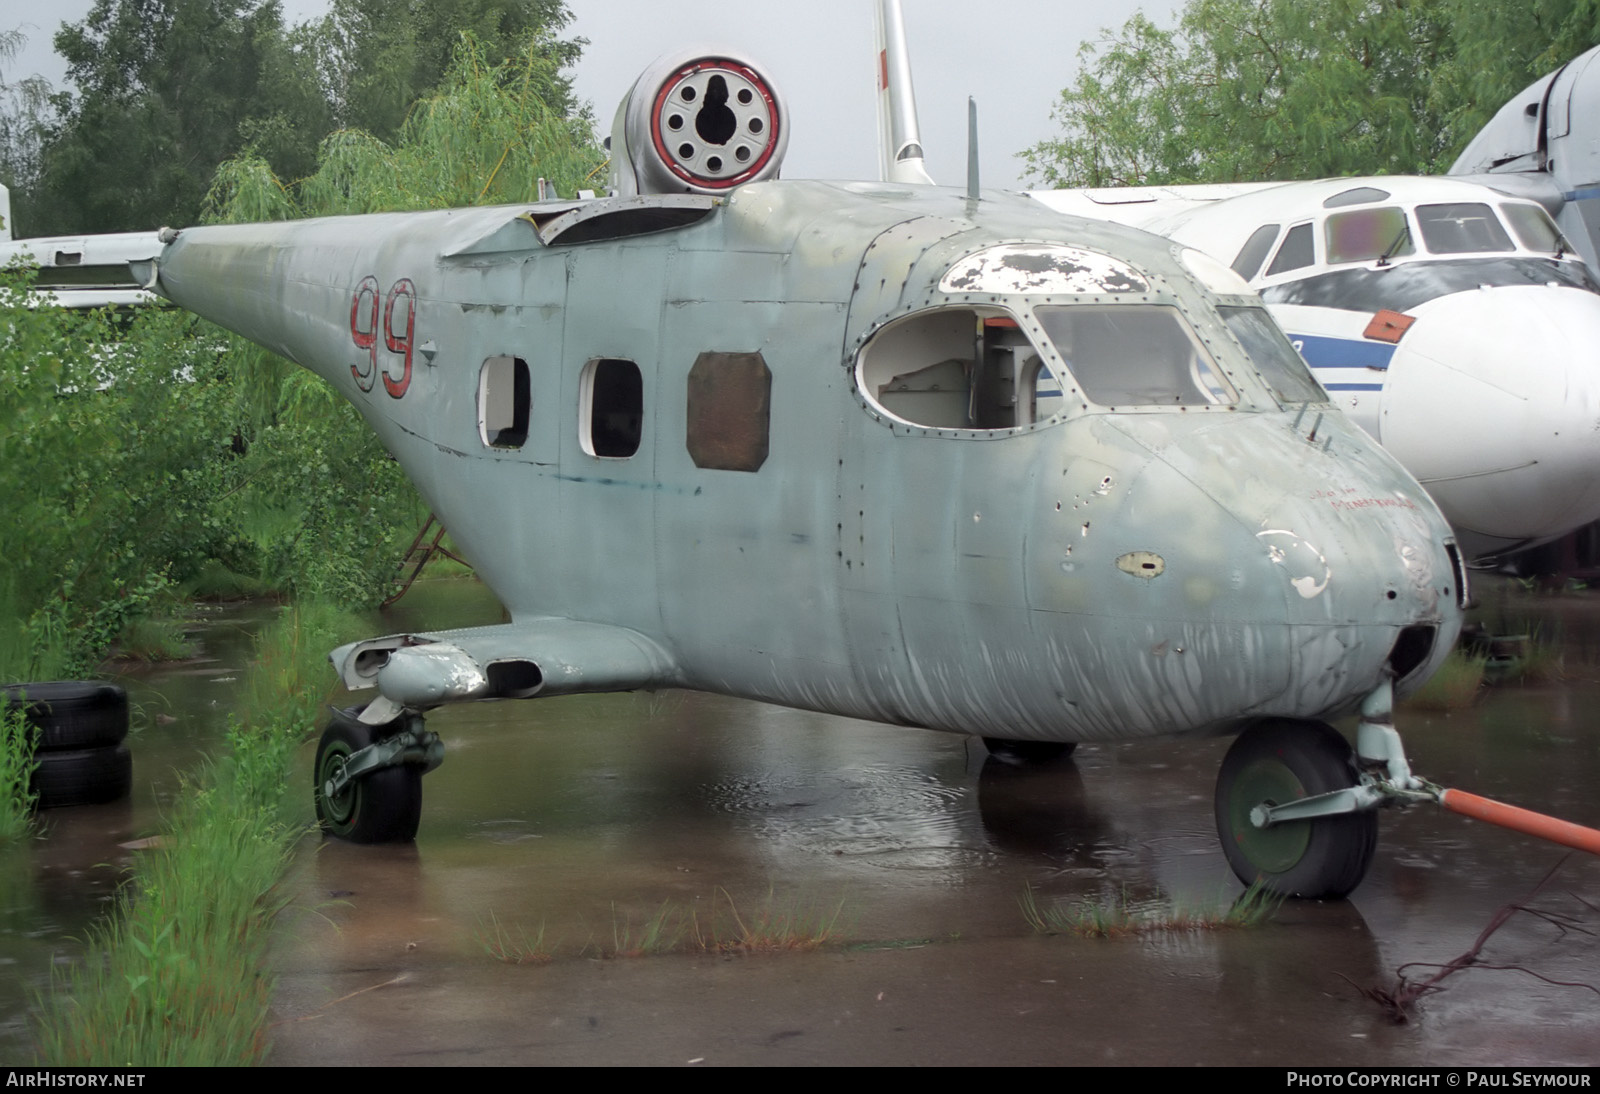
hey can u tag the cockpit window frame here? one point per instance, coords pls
(1438, 240)
(1296, 251)
(1220, 393)
(873, 379)
(1378, 233)
(1527, 219)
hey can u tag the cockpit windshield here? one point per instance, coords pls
(1535, 228)
(1461, 227)
(1366, 234)
(1134, 355)
(1283, 369)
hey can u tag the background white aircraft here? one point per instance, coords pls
(1455, 322)
(1542, 145)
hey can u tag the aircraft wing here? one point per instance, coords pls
(1143, 206)
(86, 271)
(533, 657)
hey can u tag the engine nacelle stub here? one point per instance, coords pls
(701, 122)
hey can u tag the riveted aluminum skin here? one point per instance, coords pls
(997, 581)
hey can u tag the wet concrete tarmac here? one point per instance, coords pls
(583, 820)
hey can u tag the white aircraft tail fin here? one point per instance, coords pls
(1545, 144)
(899, 135)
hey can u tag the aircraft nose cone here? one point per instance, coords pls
(1493, 403)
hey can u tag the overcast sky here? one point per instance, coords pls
(1013, 56)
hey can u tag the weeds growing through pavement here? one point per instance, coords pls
(663, 932)
(1109, 919)
(774, 926)
(514, 947)
(792, 926)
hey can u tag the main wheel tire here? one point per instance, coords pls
(1028, 752)
(383, 807)
(1280, 762)
(88, 776)
(72, 715)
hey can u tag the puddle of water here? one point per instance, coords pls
(584, 817)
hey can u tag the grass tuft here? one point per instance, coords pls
(181, 983)
(149, 640)
(1455, 686)
(515, 949)
(663, 932)
(1115, 918)
(1540, 661)
(16, 772)
(774, 927)
(178, 976)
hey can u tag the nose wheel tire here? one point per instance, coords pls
(382, 807)
(1276, 763)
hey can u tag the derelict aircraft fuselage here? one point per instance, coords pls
(881, 451)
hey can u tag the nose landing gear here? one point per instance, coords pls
(1276, 763)
(1296, 805)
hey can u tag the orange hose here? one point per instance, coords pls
(1521, 820)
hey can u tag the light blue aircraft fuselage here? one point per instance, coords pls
(891, 452)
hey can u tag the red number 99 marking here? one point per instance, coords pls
(399, 342)
(365, 334)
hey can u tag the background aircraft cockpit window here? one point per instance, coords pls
(1535, 229)
(1297, 251)
(1461, 227)
(611, 418)
(957, 368)
(1283, 369)
(1254, 252)
(1365, 234)
(503, 398)
(1356, 195)
(1134, 355)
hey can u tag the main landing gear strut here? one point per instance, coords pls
(368, 778)
(1296, 805)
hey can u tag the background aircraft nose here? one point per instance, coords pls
(1493, 403)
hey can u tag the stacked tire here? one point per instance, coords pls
(79, 730)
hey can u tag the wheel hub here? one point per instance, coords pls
(339, 805)
(1280, 847)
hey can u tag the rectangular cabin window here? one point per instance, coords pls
(611, 408)
(504, 396)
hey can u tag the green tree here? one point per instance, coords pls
(322, 506)
(1256, 90)
(114, 443)
(25, 112)
(1500, 49)
(165, 91)
(377, 57)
